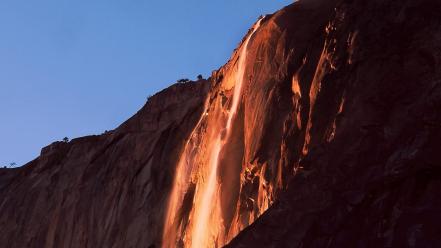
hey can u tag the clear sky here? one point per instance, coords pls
(79, 67)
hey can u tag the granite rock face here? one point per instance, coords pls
(102, 191)
(368, 133)
(336, 143)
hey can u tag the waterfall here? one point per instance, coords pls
(198, 166)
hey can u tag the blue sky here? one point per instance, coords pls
(79, 67)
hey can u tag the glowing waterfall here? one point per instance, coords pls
(198, 166)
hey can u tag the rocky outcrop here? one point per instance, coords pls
(336, 142)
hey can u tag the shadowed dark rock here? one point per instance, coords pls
(371, 175)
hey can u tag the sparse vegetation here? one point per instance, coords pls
(183, 80)
(200, 77)
(65, 139)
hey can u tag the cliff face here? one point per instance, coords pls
(366, 146)
(323, 130)
(102, 191)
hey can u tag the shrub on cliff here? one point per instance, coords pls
(183, 80)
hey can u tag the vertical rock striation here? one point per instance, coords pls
(364, 137)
